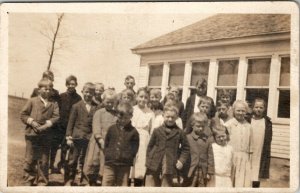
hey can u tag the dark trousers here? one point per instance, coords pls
(37, 159)
(153, 179)
(198, 179)
(57, 141)
(80, 146)
(115, 175)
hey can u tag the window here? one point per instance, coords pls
(155, 75)
(176, 74)
(258, 75)
(283, 110)
(199, 69)
(227, 77)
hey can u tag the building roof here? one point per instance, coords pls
(223, 26)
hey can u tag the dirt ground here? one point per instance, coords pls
(279, 174)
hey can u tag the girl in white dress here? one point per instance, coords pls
(141, 120)
(240, 134)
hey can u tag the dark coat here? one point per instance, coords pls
(36, 110)
(121, 145)
(174, 145)
(65, 105)
(264, 170)
(80, 121)
(189, 109)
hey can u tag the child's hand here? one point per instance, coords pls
(42, 128)
(35, 124)
(208, 177)
(70, 143)
(101, 142)
(179, 165)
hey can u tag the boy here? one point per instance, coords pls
(120, 149)
(67, 99)
(167, 150)
(154, 102)
(129, 82)
(222, 115)
(199, 140)
(39, 114)
(79, 130)
(262, 138)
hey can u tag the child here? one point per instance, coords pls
(102, 120)
(222, 115)
(79, 130)
(167, 151)
(141, 120)
(262, 138)
(129, 83)
(128, 95)
(67, 99)
(240, 134)
(39, 114)
(175, 91)
(99, 89)
(159, 119)
(226, 97)
(220, 169)
(121, 146)
(199, 140)
(154, 103)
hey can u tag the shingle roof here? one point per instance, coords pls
(223, 26)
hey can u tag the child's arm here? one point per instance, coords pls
(135, 142)
(97, 130)
(107, 138)
(185, 149)
(25, 116)
(71, 124)
(151, 143)
(210, 161)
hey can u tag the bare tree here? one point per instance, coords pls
(52, 34)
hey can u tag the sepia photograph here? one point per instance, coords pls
(128, 97)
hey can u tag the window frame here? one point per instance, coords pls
(148, 75)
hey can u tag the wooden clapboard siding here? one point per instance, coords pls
(281, 141)
(143, 76)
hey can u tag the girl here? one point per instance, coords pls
(102, 120)
(127, 95)
(240, 133)
(262, 138)
(99, 89)
(141, 120)
(222, 154)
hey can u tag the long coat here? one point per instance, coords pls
(264, 170)
(174, 146)
(80, 121)
(189, 109)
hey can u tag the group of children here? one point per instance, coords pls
(136, 137)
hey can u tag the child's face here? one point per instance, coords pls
(142, 99)
(258, 109)
(170, 118)
(221, 139)
(129, 83)
(225, 99)
(123, 119)
(222, 111)
(88, 94)
(71, 86)
(240, 112)
(126, 98)
(45, 91)
(99, 89)
(201, 90)
(109, 103)
(204, 107)
(175, 92)
(198, 127)
(155, 99)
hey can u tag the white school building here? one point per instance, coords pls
(246, 53)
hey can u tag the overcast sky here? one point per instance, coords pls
(96, 46)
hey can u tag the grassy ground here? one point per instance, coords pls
(279, 174)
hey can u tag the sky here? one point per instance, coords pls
(96, 47)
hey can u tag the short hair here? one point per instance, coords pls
(170, 95)
(201, 82)
(220, 103)
(109, 93)
(127, 92)
(89, 86)
(48, 74)
(128, 77)
(99, 83)
(204, 99)
(240, 102)
(125, 108)
(156, 92)
(174, 88)
(144, 89)
(70, 78)
(225, 92)
(258, 99)
(171, 106)
(220, 129)
(199, 116)
(44, 82)
(210, 101)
